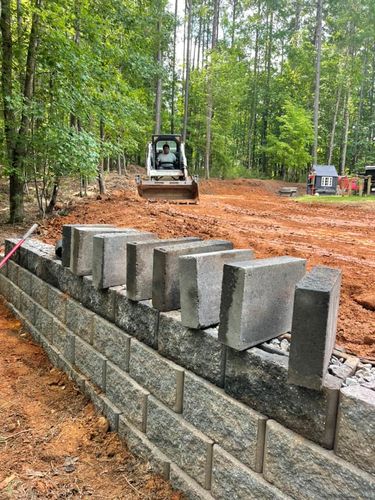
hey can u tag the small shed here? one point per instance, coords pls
(322, 179)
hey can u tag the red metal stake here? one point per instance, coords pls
(21, 242)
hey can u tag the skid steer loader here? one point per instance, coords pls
(167, 180)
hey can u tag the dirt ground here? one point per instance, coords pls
(52, 443)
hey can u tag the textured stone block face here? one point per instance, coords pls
(165, 280)
(129, 396)
(259, 379)
(103, 405)
(44, 322)
(189, 448)
(101, 302)
(109, 257)
(27, 307)
(234, 426)
(161, 377)
(316, 304)
(139, 319)
(112, 342)
(355, 434)
(264, 285)
(142, 447)
(81, 256)
(63, 340)
(181, 481)
(4, 286)
(79, 320)
(140, 256)
(304, 470)
(24, 280)
(197, 350)
(67, 240)
(56, 303)
(231, 480)
(14, 295)
(90, 363)
(201, 278)
(39, 291)
(13, 272)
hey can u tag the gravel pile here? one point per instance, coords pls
(365, 376)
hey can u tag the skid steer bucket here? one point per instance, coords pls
(179, 191)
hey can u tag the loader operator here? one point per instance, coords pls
(166, 159)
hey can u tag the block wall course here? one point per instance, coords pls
(90, 363)
(234, 426)
(13, 272)
(24, 280)
(302, 469)
(27, 307)
(161, 377)
(197, 350)
(44, 322)
(79, 320)
(14, 295)
(63, 340)
(186, 446)
(56, 303)
(101, 302)
(231, 480)
(191, 489)
(112, 342)
(39, 291)
(103, 405)
(129, 396)
(4, 286)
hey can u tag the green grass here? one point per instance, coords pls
(336, 199)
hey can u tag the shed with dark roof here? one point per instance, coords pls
(322, 179)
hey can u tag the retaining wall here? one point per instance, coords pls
(216, 422)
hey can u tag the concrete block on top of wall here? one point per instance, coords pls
(109, 257)
(234, 426)
(259, 379)
(161, 377)
(165, 281)
(302, 469)
(201, 278)
(67, 230)
(39, 291)
(197, 350)
(182, 443)
(101, 302)
(257, 300)
(355, 433)
(56, 303)
(140, 256)
(315, 312)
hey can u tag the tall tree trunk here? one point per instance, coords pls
(174, 76)
(233, 27)
(101, 182)
(346, 133)
(334, 123)
(266, 106)
(188, 9)
(318, 45)
(158, 96)
(359, 113)
(253, 97)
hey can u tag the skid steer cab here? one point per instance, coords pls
(167, 176)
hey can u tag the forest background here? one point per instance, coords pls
(260, 88)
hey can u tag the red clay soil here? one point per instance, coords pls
(52, 443)
(251, 214)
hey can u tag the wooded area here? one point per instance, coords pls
(264, 88)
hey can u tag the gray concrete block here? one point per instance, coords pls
(27, 307)
(24, 280)
(142, 447)
(79, 320)
(4, 286)
(31, 329)
(140, 260)
(14, 295)
(56, 303)
(257, 300)
(316, 304)
(67, 240)
(109, 257)
(10, 243)
(4, 269)
(182, 482)
(165, 279)
(231, 480)
(201, 278)
(139, 319)
(90, 362)
(112, 342)
(355, 433)
(81, 256)
(63, 340)
(70, 283)
(103, 405)
(44, 322)
(304, 470)
(181, 442)
(101, 302)
(39, 291)
(127, 395)
(259, 379)
(234, 426)
(161, 377)
(13, 272)
(197, 350)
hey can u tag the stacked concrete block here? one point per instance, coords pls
(304, 470)
(63, 340)
(183, 482)
(79, 320)
(257, 300)
(24, 280)
(101, 302)
(91, 363)
(39, 291)
(56, 303)
(102, 404)
(140, 257)
(112, 342)
(355, 433)
(232, 480)
(161, 377)
(234, 426)
(27, 306)
(316, 304)
(165, 284)
(44, 322)
(186, 446)
(197, 350)
(67, 231)
(200, 285)
(259, 379)
(109, 257)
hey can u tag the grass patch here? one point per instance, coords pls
(335, 199)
